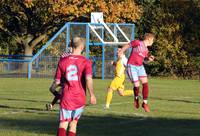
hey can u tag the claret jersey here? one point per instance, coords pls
(138, 53)
(75, 69)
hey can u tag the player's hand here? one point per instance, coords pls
(93, 99)
(151, 58)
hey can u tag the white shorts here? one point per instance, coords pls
(69, 115)
(134, 72)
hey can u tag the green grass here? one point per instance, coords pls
(175, 110)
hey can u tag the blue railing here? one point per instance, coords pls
(66, 28)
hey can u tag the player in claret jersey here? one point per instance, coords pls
(136, 69)
(77, 71)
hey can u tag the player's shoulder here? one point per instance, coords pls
(135, 42)
(65, 54)
(81, 57)
(64, 59)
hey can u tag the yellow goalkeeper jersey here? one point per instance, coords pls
(120, 67)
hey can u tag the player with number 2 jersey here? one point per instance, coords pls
(75, 68)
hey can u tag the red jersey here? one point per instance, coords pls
(138, 53)
(75, 69)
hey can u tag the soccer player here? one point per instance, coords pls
(77, 71)
(136, 69)
(52, 89)
(118, 81)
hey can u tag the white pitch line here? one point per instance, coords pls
(11, 112)
(116, 112)
(117, 103)
(99, 107)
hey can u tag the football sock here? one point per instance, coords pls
(136, 92)
(109, 98)
(145, 91)
(61, 132)
(71, 133)
(128, 92)
(145, 101)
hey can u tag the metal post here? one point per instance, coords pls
(103, 56)
(115, 48)
(103, 62)
(87, 49)
(67, 36)
(29, 69)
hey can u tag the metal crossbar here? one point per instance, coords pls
(116, 40)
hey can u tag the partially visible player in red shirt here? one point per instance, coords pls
(135, 68)
(53, 89)
(77, 71)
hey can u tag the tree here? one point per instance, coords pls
(175, 23)
(28, 23)
(114, 10)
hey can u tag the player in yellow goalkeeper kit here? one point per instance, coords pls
(118, 81)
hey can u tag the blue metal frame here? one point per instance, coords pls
(103, 56)
(87, 48)
(68, 36)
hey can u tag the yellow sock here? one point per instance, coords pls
(128, 92)
(109, 98)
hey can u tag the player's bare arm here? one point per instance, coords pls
(113, 63)
(89, 82)
(124, 48)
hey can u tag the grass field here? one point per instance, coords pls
(175, 110)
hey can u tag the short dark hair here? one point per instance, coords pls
(119, 46)
(149, 35)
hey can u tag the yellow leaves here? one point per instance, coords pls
(28, 3)
(121, 11)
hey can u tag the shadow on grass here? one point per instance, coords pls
(24, 109)
(21, 100)
(108, 126)
(176, 100)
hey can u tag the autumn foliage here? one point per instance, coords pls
(113, 10)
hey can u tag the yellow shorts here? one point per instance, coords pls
(117, 84)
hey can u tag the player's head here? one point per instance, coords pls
(119, 47)
(149, 38)
(78, 43)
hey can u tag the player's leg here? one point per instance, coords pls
(109, 97)
(65, 117)
(52, 89)
(72, 128)
(145, 89)
(49, 106)
(133, 76)
(136, 94)
(113, 86)
(57, 95)
(56, 98)
(123, 92)
(76, 114)
(62, 128)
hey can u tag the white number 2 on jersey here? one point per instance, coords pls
(72, 73)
